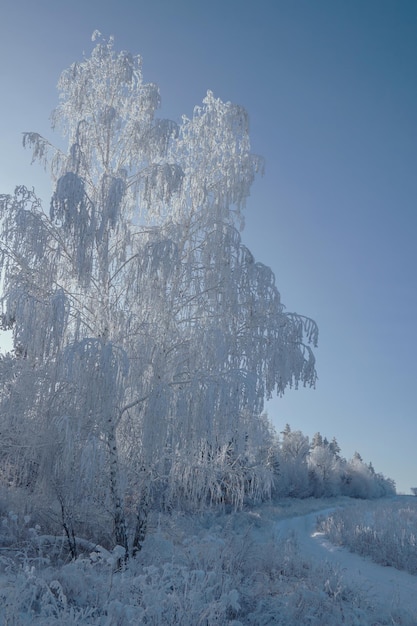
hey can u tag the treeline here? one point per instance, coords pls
(304, 468)
(253, 465)
(260, 464)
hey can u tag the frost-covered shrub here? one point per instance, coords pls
(21, 543)
(220, 477)
(386, 532)
(204, 569)
(29, 598)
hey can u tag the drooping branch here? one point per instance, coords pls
(151, 331)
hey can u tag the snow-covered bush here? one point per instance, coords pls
(386, 532)
(207, 568)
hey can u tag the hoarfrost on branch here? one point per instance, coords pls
(149, 334)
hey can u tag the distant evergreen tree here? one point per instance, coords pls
(317, 441)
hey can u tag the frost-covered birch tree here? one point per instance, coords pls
(155, 333)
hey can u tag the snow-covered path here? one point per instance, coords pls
(385, 586)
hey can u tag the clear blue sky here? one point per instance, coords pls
(331, 90)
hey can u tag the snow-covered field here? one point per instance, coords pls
(385, 531)
(262, 566)
(388, 590)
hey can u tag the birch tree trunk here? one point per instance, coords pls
(120, 530)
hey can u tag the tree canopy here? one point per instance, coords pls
(146, 335)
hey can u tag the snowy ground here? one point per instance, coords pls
(265, 566)
(392, 590)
